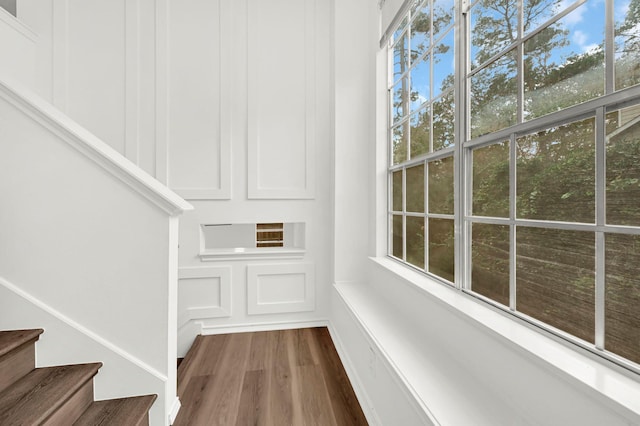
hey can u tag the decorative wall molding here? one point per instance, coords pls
(132, 81)
(223, 309)
(17, 25)
(223, 49)
(258, 143)
(206, 329)
(280, 288)
(93, 148)
(162, 90)
(60, 68)
(39, 304)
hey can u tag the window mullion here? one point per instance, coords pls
(512, 218)
(600, 222)
(460, 164)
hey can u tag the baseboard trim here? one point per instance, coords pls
(175, 409)
(354, 378)
(266, 326)
(81, 329)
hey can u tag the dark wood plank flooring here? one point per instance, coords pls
(275, 378)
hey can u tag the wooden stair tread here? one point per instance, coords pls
(10, 340)
(36, 396)
(122, 411)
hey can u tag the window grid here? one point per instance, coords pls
(595, 108)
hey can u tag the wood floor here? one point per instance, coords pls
(278, 378)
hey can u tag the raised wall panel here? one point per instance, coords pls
(280, 288)
(198, 143)
(282, 98)
(94, 82)
(204, 293)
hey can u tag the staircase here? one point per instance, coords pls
(60, 395)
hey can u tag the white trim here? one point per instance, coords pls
(252, 253)
(60, 48)
(261, 326)
(175, 409)
(18, 25)
(306, 304)
(254, 188)
(80, 328)
(203, 312)
(223, 191)
(132, 81)
(93, 148)
(162, 89)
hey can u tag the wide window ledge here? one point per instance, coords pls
(244, 253)
(621, 388)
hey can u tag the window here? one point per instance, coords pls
(526, 193)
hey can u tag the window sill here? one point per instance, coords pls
(618, 387)
(251, 254)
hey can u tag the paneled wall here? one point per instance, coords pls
(250, 142)
(228, 102)
(98, 62)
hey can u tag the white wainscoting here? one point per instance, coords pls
(203, 292)
(199, 137)
(282, 99)
(280, 288)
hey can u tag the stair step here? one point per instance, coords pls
(12, 339)
(132, 411)
(17, 354)
(51, 395)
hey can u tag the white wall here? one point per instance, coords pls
(17, 50)
(249, 142)
(98, 62)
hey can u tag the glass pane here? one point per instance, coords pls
(397, 191)
(627, 41)
(490, 261)
(537, 12)
(420, 133)
(401, 99)
(622, 297)
(400, 142)
(494, 26)
(441, 249)
(415, 241)
(398, 32)
(400, 57)
(441, 186)
(443, 121)
(556, 173)
(494, 100)
(420, 32)
(623, 166)
(397, 238)
(555, 278)
(420, 82)
(443, 64)
(442, 16)
(491, 180)
(564, 63)
(415, 189)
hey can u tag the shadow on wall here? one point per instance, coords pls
(9, 5)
